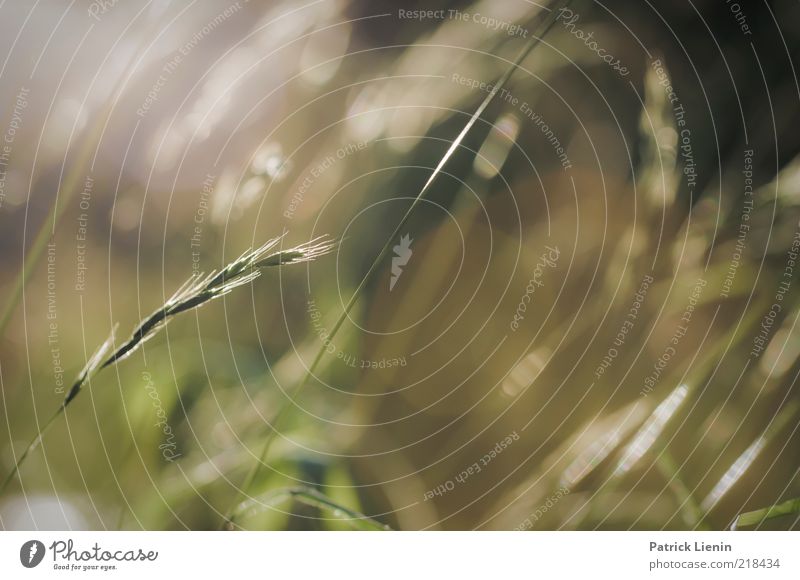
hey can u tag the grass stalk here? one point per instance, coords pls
(757, 517)
(390, 241)
(196, 291)
(688, 506)
(314, 498)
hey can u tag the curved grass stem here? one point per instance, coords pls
(311, 497)
(195, 292)
(496, 88)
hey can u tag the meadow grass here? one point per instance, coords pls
(646, 454)
(195, 292)
(535, 39)
(757, 517)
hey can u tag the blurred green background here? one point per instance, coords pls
(152, 140)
